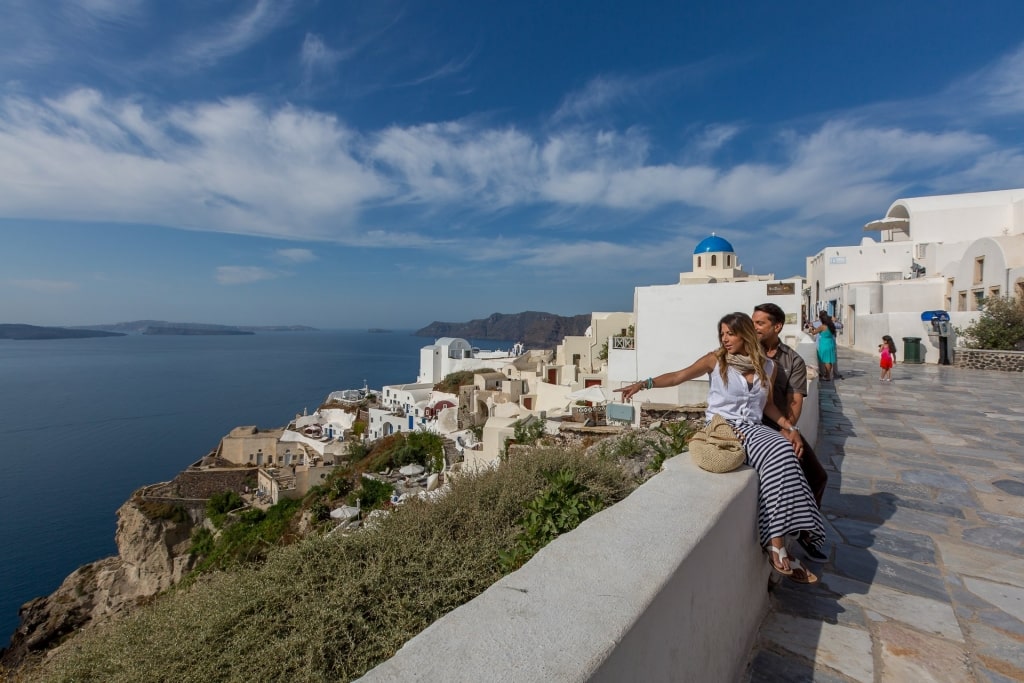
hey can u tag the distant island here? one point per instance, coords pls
(18, 331)
(193, 331)
(533, 328)
(162, 327)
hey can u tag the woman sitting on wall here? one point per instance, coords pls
(741, 380)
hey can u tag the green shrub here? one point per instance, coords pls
(405, 448)
(371, 494)
(674, 437)
(451, 382)
(340, 484)
(1000, 326)
(202, 542)
(357, 450)
(320, 511)
(167, 511)
(220, 504)
(557, 509)
(250, 537)
(625, 445)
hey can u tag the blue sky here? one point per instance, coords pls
(348, 164)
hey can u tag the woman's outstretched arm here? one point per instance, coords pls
(703, 366)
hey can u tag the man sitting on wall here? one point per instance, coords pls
(788, 391)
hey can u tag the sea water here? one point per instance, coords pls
(85, 422)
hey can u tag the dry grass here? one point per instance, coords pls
(329, 609)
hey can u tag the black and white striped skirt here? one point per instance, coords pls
(785, 504)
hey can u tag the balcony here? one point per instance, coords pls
(627, 343)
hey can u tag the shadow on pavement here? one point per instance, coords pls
(854, 516)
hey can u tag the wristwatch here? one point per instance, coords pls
(794, 428)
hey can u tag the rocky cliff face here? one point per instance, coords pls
(535, 329)
(152, 556)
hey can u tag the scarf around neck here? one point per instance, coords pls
(740, 362)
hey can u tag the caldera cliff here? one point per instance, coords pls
(153, 555)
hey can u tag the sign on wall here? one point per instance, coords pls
(781, 288)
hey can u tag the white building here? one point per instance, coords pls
(451, 354)
(406, 397)
(677, 324)
(935, 253)
(384, 423)
(582, 354)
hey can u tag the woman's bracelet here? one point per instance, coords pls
(649, 384)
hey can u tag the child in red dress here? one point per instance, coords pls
(887, 351)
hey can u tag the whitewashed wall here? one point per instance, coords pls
(677, 324)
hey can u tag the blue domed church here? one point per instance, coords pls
(714, 260)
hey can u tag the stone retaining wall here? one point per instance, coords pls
(205, 483)
(980, 359)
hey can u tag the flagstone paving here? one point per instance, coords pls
(924, 512)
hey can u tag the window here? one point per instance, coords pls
(714, 260)
(993, 291)
(961, 303)
(979, 294)
(728, 261)
(698, 261)
(979, 270)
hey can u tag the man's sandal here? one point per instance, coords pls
(800, 573)
(783, 556)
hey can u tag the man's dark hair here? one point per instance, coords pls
(777, 315)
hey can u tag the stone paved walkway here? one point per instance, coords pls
(925, 516)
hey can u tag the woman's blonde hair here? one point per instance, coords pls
(743, 327)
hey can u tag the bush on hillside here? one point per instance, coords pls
(245, 540)
(372, 494)
(332, 607)
(451, 382)
(222, 503)
(404, 448)
(166, 511)
(999, 327)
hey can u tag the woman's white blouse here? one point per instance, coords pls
(736, 401)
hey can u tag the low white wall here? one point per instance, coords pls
(870, 329)
(667, 585)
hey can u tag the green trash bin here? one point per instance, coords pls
(911, 349)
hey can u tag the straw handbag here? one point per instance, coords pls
(716, 448)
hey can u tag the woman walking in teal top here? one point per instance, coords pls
(826, 344)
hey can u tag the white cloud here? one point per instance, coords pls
(241, 165)
(606, 92)
(999, 88)
(317, 56)
(454, 162)
(233, 35)
(45, 286)
(598, 94)
(230, 166)
(109, 9)
(715, 136)
(243, 275)
(296, 255)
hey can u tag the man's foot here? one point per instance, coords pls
(811, 552)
